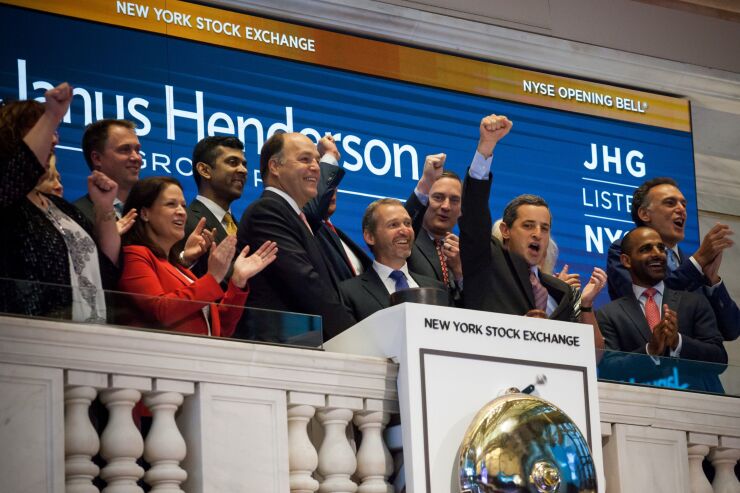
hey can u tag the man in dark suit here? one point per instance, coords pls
(504, 277)
(656, 320)
(344, 256)
(220, 172)
(659, 204)
(434, 207)
(300, 280)
(386, 228)
(112, 147)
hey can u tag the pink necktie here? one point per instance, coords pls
(305, 221)
(652, 314)
(540, 292)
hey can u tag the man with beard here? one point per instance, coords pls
(386, 228)
(220, 172)
(654, 318)
(658, 203)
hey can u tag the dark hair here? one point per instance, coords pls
(273, 147)
(143, 194)
(640, 196)
(369, 221)
(17, 118)
(511, 210)
(206, 151)
(96, 135)
(450, 174)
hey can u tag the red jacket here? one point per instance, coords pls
(169, 301)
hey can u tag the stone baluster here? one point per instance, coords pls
(337, 462)
(164, 447)
(121, 443)
(699, 445)
(81, 441)
(302, 455)
(724, 458)
(374, 461)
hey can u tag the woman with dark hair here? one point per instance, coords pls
(172, 297)
(49, 256)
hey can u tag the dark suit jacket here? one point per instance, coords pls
(299, 280)
(685, 278)
(625, 327)
(424, 259)
(196, 210)
(316, 211)
(86, 207)
(495, 279)
(170, 302)
(366, 294)
(336, 256)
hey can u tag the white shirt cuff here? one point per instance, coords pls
(480, 167)
(329, 158)
(677, 352)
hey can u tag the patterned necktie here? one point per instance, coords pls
(305, 221)
(652, 314)
(442, 261)
(230, 224)
(671, 260)
(540, 292)
(400, 278)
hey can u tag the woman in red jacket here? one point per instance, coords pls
(172, 297)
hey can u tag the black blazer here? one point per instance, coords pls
(625, 327)
(197, 210)
(366, 294)
(495, 279)
(336, 256)
(299, 280)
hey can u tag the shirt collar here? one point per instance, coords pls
(384, 272)
(212, 206)
(288, 198)
(638, 290)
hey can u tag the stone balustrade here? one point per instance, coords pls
(235, 416)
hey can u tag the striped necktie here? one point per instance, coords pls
(540, 292)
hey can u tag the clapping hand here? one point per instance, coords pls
(126, 222)
(246, 267)
(665, 334)
(199, 242)
(595, 284)
(572, 280)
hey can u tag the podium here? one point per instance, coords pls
(454, 361)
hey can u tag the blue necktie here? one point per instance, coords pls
(671, 260)
(400, 279)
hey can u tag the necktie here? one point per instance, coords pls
(305, 221)
(442, 261)
(652, 314)
(230, 225)
(400, 278)
(540, 292)
(671, 260)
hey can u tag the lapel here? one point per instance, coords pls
(174, 272)
(356, 249)
(554, 291)
(520, 271)
(427, 248)
(201, 210)
(673, 300)
(632, 309)
(373, 285)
